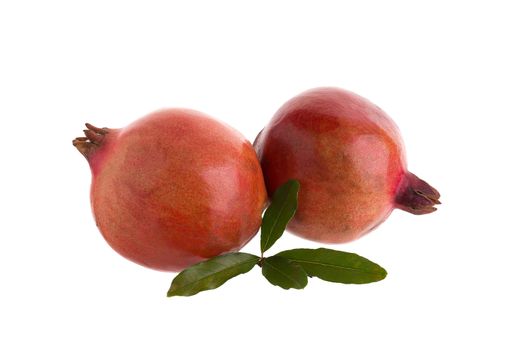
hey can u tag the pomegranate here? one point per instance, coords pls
(348, 156)
(173, 188)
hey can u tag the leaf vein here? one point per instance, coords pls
(283, 274)
(334, 266)
(210, 275)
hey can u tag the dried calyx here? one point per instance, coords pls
(94, 138)
(416, 196)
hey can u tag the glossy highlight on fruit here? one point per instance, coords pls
(173, 188)
(349, 158)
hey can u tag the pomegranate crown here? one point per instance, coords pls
(93, 139)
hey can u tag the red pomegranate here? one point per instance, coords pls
(173, 188)
(349, 158)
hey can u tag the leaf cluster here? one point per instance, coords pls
(287, 269)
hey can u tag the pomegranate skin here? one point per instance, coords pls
(349, 158)
(173, 188)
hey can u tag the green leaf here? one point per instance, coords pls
(284, 273)
(336, 266)
(279, 213)
(211, 273)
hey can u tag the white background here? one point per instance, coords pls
(451, 74)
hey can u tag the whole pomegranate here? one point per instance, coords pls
(173, 188)
(349, 159)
